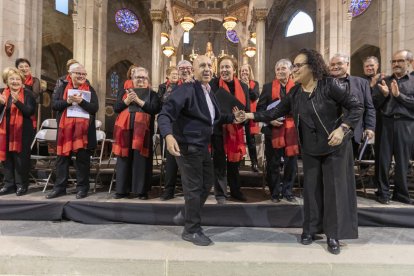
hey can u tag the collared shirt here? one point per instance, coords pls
(206, 90)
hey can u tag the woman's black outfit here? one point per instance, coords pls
(16, 165)
(329, 183)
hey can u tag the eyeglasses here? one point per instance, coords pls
(80, 74)
(397, 61)
(337, 64)
(298, 65)
(188, 68)
(140, 78)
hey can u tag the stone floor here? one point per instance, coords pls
(70, 248)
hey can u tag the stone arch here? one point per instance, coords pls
(299, 19)
(358, 56)
(54, 58)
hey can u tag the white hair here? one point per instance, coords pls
(184, 62)
(341, 55)
(284, 61)
(74, 66)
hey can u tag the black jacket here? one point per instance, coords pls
(328, 99)
(59, 105)
(187, 108)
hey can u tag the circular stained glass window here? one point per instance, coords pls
(358, 7)
(127, 21)
(232, 36)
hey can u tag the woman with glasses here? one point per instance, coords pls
(133, 131)
(76, 134)
(325, 134)
(16, 108)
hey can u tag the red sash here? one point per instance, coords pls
(254, 126)
(15, 127)
(72, 132)
(234, 144)
(141, 136)
(29, 82)
(284, 136)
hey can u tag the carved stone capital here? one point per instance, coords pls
(157, 15)
(260, 14)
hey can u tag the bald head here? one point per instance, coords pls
(203, 69)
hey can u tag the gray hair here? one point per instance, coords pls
(284, 61)
(341, 55)
(374, 58)
(409, 55)
(184, 62)
(137, 69)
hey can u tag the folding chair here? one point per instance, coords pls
(98, 124)
(96, 158)
(364, 167)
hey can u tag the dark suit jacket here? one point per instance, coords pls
(187, 108)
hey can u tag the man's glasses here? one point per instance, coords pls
(298, 65)
(80, 74)
(397, 61)
(188, 68)
(140, 78)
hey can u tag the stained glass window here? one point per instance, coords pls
(232, 36)
(358, 7)
(127, 21)
(114, 84)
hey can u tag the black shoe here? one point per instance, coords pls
(81, 194)
(239, 196)
(5, 191)
(143, 196)
(333, 246)
(255, 168)
(402, 199)
(383, 200)
(290, 198)
(306, 239)
(197, 238)
(275, 198)
(166, 196)
(179, 219)
(54, 194)
(118, 196)
(221, 200)
(21, 191)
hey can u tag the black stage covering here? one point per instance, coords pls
(159, 213)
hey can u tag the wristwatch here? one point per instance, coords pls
(345, 128)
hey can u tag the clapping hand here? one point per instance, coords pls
(131, 97)
(15, 96)
(77, 98)
(384, 88)
(394, 88)
(2, 99)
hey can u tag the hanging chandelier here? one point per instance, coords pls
(250, 51)
(164, 38)
(187, 23)
(168, 50)
(229, 22)
(253, 38)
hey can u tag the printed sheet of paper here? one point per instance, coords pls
(75, 111)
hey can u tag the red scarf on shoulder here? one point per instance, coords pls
(254, 126)
(72, 132)
(29, 82)
(284, 136)
(141, 135)
(15, 127)
(234, 144)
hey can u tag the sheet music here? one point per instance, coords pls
(271, 106)
(75, 111)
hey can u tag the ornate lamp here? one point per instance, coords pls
(168, 50)
(253, 38)
(164, 38)
(187, 23)
(250, 51)
(229, 22)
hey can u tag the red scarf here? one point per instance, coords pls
(234, 144)
(29, 82)
(72, 132)
(141, 136)
(284, 136)
(15, 127)
(254, 126)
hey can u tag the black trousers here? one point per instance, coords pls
(330, 205)
(273, 177)
(251, 144)
(133, 173)
(396, 140)
(16, 169)
(83, 167)
(171, 171)
(197, 177)
(224, 171)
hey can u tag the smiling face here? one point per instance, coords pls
(14, 82)
(24, 67)
(203, 69)
(282, 72)
(226, 70)
(338, 67)
(370, 67)
(399, 63)
(78, 75)
(301, 71)
(140, 78)
(185, 71)
(173, 76)
(245, 72)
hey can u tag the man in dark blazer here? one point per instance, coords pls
(186, 121)
(360, 88)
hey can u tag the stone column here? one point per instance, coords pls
(157, 18)
(333, 27)
(260, 17)
(89, 39)
(21, 26)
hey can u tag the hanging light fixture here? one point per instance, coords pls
(253, 38)
(229, 22)
(168, 50)
(164, 38)
(187, 23)
(250, 51)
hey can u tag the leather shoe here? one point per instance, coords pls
(143, 196)
(255, 168)
(5, 191)
(54, 194)
(275, 198)
(21, 191)
(383, 200)
(118, 196)
(166, 196)
(81, 194)
(290, 198)
(179, 219)
(197, 238)
(239, 196)
(221, 200)
(333, 246)
(306, 239)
